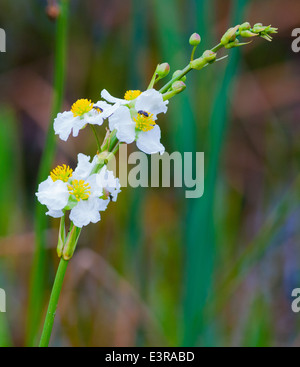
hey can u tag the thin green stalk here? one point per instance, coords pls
(185, 71)
(47, 330)
(36, 293)
(96, 136)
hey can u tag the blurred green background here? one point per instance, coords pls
(159, 269)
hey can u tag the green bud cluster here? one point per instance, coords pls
(264, 31)
(177, 73)
(229, 39)
(208, 57)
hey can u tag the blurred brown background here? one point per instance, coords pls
(159, 269)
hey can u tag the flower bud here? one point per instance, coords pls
(53, 11)
(198, 64)
(236, 43)
(195, 39)
(245, 26)
(163, 70)
(177, 73)
(209, 56)
(71, 242)
(248, 34)
(258, 28)
(230, 35)
(178, 86)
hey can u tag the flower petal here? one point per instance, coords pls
(109, 98)
(84, 167)
(93, 117)
(64, 124)
(122, 122)
(107, 109)
(95, 185)
(149, 141)
(151, 101)
(55, 213)
(107, 180)
(54, 195)
(87, 211)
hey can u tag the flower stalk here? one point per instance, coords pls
(50, 316)
(88, 190)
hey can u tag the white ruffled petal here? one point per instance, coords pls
(54, 195)
(107, 180)
(95, 185)
(109, 98)
(151, 101)
(149, 141)
(93, 117)
(107, 109)
(55, 213)
(65, 123)
(87, 211)
(122, 122)
(84, 167)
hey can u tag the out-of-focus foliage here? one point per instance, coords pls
(160, 269)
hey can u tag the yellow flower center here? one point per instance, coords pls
(62, 173)
(81, 107)
(132, 94)
(144, 121)
(79, 189)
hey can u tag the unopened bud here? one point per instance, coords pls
(71, 242)
(163, 70)
(178, 86)
(248, 34)
(245, 26)
(236, 43)
(176, 75)
(209, 56)
(233, 44)
(258, 27)
(195, 39)
(230, 35)
(53, 11)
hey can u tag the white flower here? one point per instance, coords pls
(139, 123)
(83, 112)
(53, 194)
(83, 192)
(87, 211)
(109, 183)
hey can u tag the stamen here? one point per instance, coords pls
(81, 107)
(79, 189)
(144, 121)
(132, 94)
(62, 173)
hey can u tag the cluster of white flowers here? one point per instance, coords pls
(87, 191)
(134, 118)
(82, 192)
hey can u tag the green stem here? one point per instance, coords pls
(193, 53)
(36, 292)
(47, 330)
(217, 48)
(185, 71)
(96, 136)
